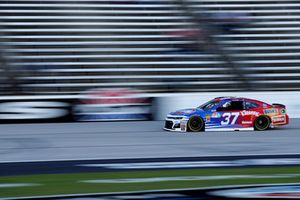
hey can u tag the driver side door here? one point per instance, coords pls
(230, 115)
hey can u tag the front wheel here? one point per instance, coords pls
(262, 123)
(195, 124)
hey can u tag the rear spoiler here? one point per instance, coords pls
(278, 105)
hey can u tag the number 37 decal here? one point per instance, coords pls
(227, 118)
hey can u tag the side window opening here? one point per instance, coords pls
(237, 105)
(232, 105)
(250, 105)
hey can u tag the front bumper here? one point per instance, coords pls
(178, 125)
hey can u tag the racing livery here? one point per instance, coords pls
(228, 114)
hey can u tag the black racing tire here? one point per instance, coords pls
(262, 123)
(195, 124)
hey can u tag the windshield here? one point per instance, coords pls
(209, 105)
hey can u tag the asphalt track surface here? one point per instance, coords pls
(110, 165)
(145, 139)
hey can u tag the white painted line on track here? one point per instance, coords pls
(158, 157)
(12, 185)
(190, 178)
(74, 195)
(199, 164)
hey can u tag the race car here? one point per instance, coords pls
(228, 114)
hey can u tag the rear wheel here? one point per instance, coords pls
(195, 124)
(262, 123)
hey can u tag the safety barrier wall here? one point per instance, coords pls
(65, 108)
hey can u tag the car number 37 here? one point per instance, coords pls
(230, 118)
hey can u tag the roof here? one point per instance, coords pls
(234, 98)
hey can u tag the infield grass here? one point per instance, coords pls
(57, 184)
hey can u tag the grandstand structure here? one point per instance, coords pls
(68, 46)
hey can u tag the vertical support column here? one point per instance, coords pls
(204, 22)
(11, 86)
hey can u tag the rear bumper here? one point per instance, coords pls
(280, 120)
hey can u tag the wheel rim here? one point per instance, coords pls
(262, 123)
(195, 124)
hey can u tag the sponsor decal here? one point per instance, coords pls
(207, 118)
(279, 119)
(246, 112)
(32, 110)
(271, 111)
(111, 117)
(113, 100)
(184, 111)
(179, 113)
(227, 118)
(246, 122)
(215, 115)
(113, 105)
(265, 105)
(183, 125)
(35, 111)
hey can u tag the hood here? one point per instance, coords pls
(184, 111)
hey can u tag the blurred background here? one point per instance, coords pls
(115, 60)
(64, 47)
